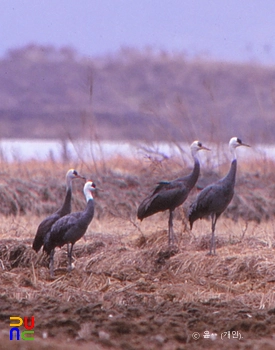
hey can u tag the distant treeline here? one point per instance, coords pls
(48, 92)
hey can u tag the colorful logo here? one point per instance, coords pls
(27, 334)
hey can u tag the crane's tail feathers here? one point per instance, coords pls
(193, 215)
(37, 243)
(35, 247)
(141, 212)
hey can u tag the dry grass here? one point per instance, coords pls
(121, 256)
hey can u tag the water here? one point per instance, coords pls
(22, 150)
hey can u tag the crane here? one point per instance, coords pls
(214, 199)
(45, 226)
(170, 195)
(70, 228)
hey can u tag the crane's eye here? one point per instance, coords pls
(93, 185)
(239, 141)
(199, 144)
(75, 173)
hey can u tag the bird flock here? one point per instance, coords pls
(64, 227)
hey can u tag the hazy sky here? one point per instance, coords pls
(222, 29)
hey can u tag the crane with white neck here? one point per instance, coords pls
(168, 195)
(215, 198)
(70, 228)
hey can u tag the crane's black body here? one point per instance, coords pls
(213, 200)
(168, 196)
(68, 230)
(45, 226)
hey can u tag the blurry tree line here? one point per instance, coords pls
(49, 92)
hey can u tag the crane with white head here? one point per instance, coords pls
(215, 198)
(168, 195)
(70, 228)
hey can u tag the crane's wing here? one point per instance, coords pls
(212, 199)
(59, 229)
(167, 195)
(64, 224)
(199, 208)
(170, 185)
(42, 230)
(161, 185)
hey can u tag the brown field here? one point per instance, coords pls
(127, 290)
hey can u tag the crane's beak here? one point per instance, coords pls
(96, 188)
(205, 148)
(245, 144)
(80, 177)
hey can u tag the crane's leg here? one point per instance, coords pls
(70, 251)
(213, 240)
(51, 262)
(170, 229)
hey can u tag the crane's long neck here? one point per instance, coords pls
(231, 176)
(193, 177)
(88, 195)
(67, 207)
(233, 152)
(88, 213)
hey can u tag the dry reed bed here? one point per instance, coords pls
(35, 188)
(109, 267)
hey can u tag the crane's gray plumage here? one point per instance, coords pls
(170, 195)
(70, 228)
(45, 226)
(214, 199)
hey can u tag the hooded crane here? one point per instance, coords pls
(45, 226)
(70, 228)
(215, 198)
(169, 195)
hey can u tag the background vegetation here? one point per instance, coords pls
(53, 93)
